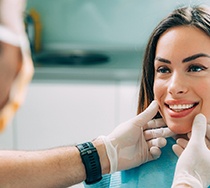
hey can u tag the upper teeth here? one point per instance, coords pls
(180, 106)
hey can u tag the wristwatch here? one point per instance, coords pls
(91, 162)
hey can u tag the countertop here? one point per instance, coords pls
(123, 65)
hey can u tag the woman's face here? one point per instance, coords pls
(182, 76)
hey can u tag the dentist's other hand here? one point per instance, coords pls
(136, 141)
(193, 166)
(181, 143)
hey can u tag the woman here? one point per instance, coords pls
(176, 68)
(176, 73)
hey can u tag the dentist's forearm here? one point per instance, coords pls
(60, 167)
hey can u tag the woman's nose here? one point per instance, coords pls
(177, 85)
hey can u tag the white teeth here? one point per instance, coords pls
(179, 107)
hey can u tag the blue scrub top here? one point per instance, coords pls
(158, 173)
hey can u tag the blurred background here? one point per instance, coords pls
(101, 24)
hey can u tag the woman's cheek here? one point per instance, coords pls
(206, 113)
(157, 91)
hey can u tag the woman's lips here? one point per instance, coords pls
(180, 110)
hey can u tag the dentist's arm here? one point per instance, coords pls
(193, 166)
(139, 141)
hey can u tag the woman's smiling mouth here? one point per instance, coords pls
(180, 110)
(181, 107)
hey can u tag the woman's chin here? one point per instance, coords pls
(178, 125)
(177, 129)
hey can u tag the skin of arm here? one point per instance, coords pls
(59, 167)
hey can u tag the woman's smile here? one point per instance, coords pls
(179, 110)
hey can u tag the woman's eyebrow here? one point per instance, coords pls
(185, 60)
(193, 57)
(162, 60)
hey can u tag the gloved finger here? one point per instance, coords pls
(189, 135)
(207, 139)
(182, 142)
(208, 131)
(197, 134)
(177, 149)
(158, 142)
(208, 136)
(155, 123)
(199, 129)
(155, 152)
(159, 132)
(146, 115)
(207, 142)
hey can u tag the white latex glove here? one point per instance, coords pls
(193, 166)
(136, 141)
(181, 143)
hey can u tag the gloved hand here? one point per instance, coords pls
(136, 141)
(193, 166)
(181, 143)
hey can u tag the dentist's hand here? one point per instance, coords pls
(181, 143)
(136, 141)
(193, 166)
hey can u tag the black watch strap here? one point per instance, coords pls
(91, 162)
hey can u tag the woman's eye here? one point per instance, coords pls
(196, 68)
(163, 70)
